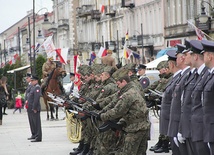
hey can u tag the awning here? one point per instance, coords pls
(19, 69)
(163, 52)
(153, 64)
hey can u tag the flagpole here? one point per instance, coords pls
(34, 57)
(118, 50)
(191, 24)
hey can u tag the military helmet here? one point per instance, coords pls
(120, 73)
(161, 65)
(109, 69)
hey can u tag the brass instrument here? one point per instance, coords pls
(74, 127)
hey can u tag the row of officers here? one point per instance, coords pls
(186, 116)
(187, 109)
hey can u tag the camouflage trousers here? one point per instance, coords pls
(88, 131)
(134, 144)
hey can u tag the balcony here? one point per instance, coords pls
(95, 14)
(84, 11)
(63, 24)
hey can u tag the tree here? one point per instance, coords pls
(39, 62)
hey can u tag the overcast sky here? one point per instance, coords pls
(11, 11)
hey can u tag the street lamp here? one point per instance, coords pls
(45, 25)
(40, 37)
(203, 18)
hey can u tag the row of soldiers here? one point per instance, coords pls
(119, 98)
(186, 117)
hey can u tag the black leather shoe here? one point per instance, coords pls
(36, 140)
(31, 138)
(77, 151)
(162, 149)
(153, 148)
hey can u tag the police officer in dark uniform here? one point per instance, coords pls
(143, 79)
(208, 93)
(197, 112)
(34, 108)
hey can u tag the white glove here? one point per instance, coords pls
(180, 138)
(176, 141)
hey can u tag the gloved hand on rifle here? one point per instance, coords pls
(97, 106)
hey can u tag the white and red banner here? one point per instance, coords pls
(49, 48)
(63, 55)
(102, 52)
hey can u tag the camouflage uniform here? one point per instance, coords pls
(103, 140)
(130, 107)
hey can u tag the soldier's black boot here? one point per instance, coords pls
(80, 146)
(157, 145)
(163, 148)
(78, 149)
(85, 149)
(90, 152)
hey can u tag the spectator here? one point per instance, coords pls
(18, 104)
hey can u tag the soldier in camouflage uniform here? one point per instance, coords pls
(160, 85)
(84, 71)
(132, 72)
(130, 108)
(108, 88)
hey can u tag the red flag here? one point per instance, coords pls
(102, 8)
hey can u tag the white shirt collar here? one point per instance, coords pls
(176, 73)
(201, 68)
(184, 69)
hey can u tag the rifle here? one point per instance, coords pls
(158, 93)
(90, 100)
(104, 127)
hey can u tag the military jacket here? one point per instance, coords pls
(131, 107)
(137, 84)
(29, 86)
(175, 110)
(109, 88)
(47, 68)
(166, 104)
(34, 98)
(186, 105)
(208, 109)
(197, 111)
